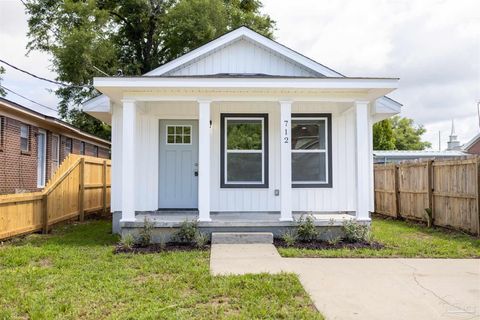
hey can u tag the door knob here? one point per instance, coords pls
(196, 174)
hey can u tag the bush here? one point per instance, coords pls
(306, 230)
(201, 240)
(290, 238)
(356, 232)
(145, 235)
(187, 232)
(128, 241)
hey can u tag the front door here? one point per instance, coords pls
(178, 164)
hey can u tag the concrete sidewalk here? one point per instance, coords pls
(368, 288)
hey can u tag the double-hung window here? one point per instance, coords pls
(24, 137)
(311, 150)
(244, 144)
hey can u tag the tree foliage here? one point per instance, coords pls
(2, 91)
(398, 133)
(134, 36)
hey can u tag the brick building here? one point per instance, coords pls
(33, 145)
(472, 146)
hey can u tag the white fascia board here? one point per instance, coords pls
(100, 103)
(253, 36)
(246, 83)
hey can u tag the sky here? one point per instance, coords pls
(433, 46)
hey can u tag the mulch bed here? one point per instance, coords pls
(156, 248)
(324, 245)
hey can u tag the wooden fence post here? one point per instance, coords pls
(104, 181)
(81, 191)
(397, 190)
(45, 213)
(430, 188)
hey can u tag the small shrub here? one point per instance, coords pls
(334, 240)
(145, 234)
(356, 232)
(163, 241)
(128, 241)
(290, 238)
(306, 230)
(187, 231)
(201, 240)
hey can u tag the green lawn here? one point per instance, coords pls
(404, 239)
(73, 274)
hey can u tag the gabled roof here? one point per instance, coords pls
(52, 121)
(315, 69)
(245, 33)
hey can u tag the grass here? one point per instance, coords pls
(403, 239)
(74, 274)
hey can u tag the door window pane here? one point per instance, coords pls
(244, 167)
(179, 134)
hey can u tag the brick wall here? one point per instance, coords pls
(475, 148)
(18, 170)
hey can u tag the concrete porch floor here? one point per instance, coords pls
(234, 219)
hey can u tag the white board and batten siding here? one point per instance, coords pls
(243, 56)
(338, 198)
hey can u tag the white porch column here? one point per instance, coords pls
(128, 160)
(362, 160)
(204, 160)
(285, 161)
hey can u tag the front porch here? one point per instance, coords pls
(166, 223)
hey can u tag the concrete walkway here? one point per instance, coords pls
(368, 288)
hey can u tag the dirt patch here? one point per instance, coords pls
(156, 248)
(324, 245)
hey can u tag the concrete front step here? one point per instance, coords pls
(242, 237)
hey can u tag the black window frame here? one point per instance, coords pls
(329, 183)
(223, 183)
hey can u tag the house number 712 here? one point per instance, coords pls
(285, 131)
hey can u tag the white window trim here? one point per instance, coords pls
(175, 143)
(44, 156)
(324, 150)
(226, 152)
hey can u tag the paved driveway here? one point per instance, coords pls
(368, 288)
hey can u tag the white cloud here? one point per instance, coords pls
(433, 46)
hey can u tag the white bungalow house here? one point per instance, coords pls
(242, 132)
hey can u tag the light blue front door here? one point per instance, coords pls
(178, 161)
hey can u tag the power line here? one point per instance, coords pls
(58, 83)
(21, 96)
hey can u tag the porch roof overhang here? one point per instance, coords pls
(252, 88)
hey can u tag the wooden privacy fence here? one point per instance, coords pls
(450, 188)
(81, 185)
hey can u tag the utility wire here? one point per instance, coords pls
(21, 96)
(58, 83)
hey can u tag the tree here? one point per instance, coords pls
(383, 138)
(398, 133)
(134, 36)
(2, 91)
